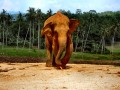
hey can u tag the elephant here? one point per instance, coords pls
(58, 31)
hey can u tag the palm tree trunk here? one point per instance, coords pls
(113, 41)
(39, 39)
(103, 45)
(112, 45)
(6, 35)
(3, 34)
(18, 36)
(97, 50)
(33, 34)
(86, 38)
(25, 38)
(83, 35)
(3, 38)
(30, 39)
(0, 31)
(76, 41)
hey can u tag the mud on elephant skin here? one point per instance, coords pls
(58, 31)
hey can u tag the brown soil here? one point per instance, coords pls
(9, 59)
(27, 73)
(35, 76)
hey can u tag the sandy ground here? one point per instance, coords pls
(35, 76)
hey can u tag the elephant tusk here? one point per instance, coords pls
(61, 68)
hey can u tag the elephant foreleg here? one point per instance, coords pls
(55, 47)
(49, 52)
(62, 42)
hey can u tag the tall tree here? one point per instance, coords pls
(19, 20)
(39, 18)
(8, 23)
(115, 25)
(49, 13)
(78, 14)
(3, 18)
(90, 21)
(104, 31)
(31, 17)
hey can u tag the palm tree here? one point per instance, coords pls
(49, 13)
(3, 18)
(39, 17)
(31, 17)
(8, 22)
(104, 31)
(78, 13)
(115, 24)
(91, 20)
(0, 28)
(25, 38)
(19, 20)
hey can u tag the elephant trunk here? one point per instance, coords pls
(69, 50)
(62, 45)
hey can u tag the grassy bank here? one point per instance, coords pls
(89, 56)
(25, 52)
(22, 52)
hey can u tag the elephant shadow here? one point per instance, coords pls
(68, 67)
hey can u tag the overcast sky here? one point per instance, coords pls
(55, 5)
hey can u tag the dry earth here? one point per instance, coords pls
(35, 76)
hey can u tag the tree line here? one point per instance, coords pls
(96, 30)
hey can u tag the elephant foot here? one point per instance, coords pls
(58, 63)
(64, 61)
(49, 64)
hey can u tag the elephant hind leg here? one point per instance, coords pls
(55, 47)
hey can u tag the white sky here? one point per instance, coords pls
(55, 5)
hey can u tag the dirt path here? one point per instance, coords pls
(35, 76)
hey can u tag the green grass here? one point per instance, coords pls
(116, 49)
(22, 52)
(89, 56)
(25, 52)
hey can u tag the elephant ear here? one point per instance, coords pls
(73, 25)
(47, 29)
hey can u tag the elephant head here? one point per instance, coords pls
(57, 31)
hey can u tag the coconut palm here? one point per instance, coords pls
(39, 18)
(3, 18)
(115, 24)
(8, 23)
(90, 21)
(104, 24)
(49, 13)
(19, 20)
(31, 17)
